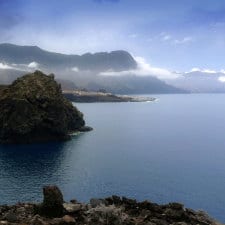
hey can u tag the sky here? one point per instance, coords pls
(176, 35)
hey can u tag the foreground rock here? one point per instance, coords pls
(33, 109)
(109, 211)
(52, 205)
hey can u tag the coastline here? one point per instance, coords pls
(113, 210)
(91, 97)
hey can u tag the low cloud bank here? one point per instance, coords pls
(4, 66)
(33, 65)
(205, 71)
(144, 69)
(20, 67)
(218, 75)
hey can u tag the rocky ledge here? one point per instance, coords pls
(109, 211)
(33, 109)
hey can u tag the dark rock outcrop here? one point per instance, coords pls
(52, 205)
(33, 109)
(113, 210)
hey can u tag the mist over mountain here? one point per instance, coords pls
(116, 72)
(85, 71)
(7, 76)
(132, 84)
(201, 81)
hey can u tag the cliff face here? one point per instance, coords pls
(33, 109)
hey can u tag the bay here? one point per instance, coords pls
(169, 150)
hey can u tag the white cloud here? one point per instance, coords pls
(20, 67)
(183, 41)
(75, 69)
(195, 69)
(4, 66)
(221, 79)
(144, 69)
(209, 71)
(33, 65)
(166, 38)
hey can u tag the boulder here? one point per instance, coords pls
(33, 109)
(52, 205)
(11, 217)
(68, 220)
(71, 208)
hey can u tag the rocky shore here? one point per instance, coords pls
(91, 96)
(109, 211)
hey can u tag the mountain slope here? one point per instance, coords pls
(83, 70)
(132, 84)
(116, 60)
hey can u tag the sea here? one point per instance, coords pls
(168, 150)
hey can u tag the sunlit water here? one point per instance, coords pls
(169, 150)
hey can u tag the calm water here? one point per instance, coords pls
(169, 150)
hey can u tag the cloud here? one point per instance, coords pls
(173, 40)
(195, 69)
(21, 67)
(33, 65)
(166, 38)
(75, 69)
(209, 71)
(183, 41)
(221, 79)
(4, 66)
(144, 69)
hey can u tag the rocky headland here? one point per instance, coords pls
(92, 96)
(109, 211)
(33, 109)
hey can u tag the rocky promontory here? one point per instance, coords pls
(33, 109)
(98, 96)
(109, 211)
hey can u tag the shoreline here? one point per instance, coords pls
(113, 210)
(93, 97)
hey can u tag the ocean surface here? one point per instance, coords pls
(169, 150)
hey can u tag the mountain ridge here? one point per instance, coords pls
(84, 70)
(11, 53)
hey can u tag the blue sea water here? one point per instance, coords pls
(169, 150)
